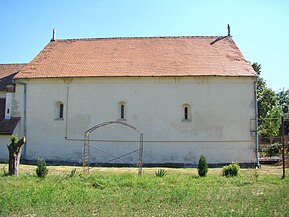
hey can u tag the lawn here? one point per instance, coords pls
(120, 192)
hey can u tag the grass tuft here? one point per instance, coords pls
(160, 173)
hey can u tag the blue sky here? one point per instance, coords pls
(259, 27)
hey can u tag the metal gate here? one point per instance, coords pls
(85, 152)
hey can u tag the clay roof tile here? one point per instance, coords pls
(147, 56)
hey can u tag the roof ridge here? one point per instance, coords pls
(2, 64)
(146, 37)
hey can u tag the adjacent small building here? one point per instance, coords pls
(188, 95)
(8, 122)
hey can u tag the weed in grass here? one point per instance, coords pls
(95, 183)
(160, 173)
(256, 175)
(72, 173)
(195, 176)
(4, 172)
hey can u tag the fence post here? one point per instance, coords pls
(283, 149)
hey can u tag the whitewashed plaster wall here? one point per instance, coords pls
(221, 110)
(4, 141)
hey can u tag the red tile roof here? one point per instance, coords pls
(150, 56)
(9, 69)
(7, 72)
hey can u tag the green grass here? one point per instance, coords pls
(114, 193)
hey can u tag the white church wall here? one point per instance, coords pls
(221, 109)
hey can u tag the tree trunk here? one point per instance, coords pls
(14, 156)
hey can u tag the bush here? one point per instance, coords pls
(160, 173)
(41, 169)
(203, 166)
(274, 149)
(231, 170)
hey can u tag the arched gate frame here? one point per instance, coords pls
(85, 152)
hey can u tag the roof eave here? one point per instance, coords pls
(138, 76)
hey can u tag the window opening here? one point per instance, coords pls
(186, 116)
(58, 110)
(61, 110)
(186, 112)
(122, 111)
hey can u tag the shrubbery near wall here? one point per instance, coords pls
(203, 166)
(231, 170)
(41, 169)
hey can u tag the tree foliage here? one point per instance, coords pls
(271, 106)
(283, 102)
(269, 110)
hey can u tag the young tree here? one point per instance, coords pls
(202, 166)
(41, 169)
(14, 154)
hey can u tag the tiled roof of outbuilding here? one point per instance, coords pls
(145, 57)
(7, 72)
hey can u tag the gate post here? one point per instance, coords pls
(140, 155)
(85, 153)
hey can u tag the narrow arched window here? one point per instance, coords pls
(186, 114)
(58, 110)
(61, 110)
(122, 111)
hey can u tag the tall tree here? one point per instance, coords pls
(268, 109)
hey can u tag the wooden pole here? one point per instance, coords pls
(283, 149)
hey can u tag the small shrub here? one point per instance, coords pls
(160, 173)
(41, 169)
(231, 170)
(203, 166)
